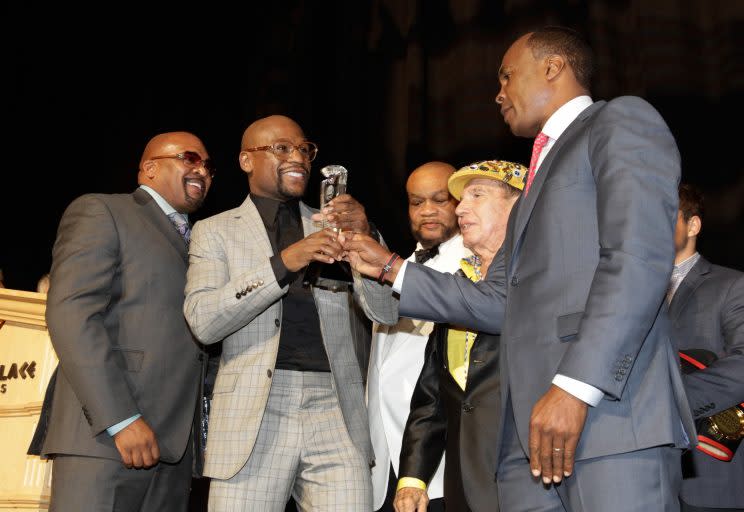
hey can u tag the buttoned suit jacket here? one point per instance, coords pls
(578, 287)
(707, 312)
(462, 423)
(396, 359)
(115, 318)
(230, 253)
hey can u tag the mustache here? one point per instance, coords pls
(294, 167)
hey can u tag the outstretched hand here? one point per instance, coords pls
(365, 254)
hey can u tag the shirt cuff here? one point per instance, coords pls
(122, 425)
(398, 283)
(580, 390)
(408, 481)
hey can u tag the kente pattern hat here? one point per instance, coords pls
(500, 170)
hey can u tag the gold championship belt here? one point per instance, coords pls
(719, 435)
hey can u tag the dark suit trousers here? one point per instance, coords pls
(640, 481)
(105, 485)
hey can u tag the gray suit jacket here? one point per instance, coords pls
(578, 287)
(114, 312)
(229, 253)
(707, 312)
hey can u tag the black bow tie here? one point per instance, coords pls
(424, 255)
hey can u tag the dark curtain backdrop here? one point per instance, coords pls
(380, 85)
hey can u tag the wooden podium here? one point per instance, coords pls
(27, 361)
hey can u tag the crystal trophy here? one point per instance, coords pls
(333, 185)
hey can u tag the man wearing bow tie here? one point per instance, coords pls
(398, 351)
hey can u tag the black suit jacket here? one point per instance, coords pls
(464, 423)
(707, 312)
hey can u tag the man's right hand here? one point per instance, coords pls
(365, 254)
(320, 246)
(137, 445)
(411, 499)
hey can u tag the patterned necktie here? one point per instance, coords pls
(182, 226)
(424, 255)
(537, 148)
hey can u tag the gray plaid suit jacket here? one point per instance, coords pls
(229, 253)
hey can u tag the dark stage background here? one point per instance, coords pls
(380, 85)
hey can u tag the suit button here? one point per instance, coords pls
(268, 373)
(466, 407)
(515, 281)
(238, 295)
(276, 322)
(260, 282)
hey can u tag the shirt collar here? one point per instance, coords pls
(565, 115)
(162, 203)
(268, 208)
(684, 266)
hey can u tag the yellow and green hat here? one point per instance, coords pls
(500, 170)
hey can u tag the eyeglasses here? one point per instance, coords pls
(193, 160)
(283, 148)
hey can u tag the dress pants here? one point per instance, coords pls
(302, 450)
(640, 481)
(106, 485)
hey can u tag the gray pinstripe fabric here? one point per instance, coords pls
(302, 440)
(229, 253)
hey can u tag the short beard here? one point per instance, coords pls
(449, 232)
(286, 193)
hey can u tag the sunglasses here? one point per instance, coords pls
(192, 160)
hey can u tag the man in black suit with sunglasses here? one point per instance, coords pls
(130, 372)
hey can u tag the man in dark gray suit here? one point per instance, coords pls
(129, 369)
(592, 398)
(707, 312)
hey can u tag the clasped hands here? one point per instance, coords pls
(347, 239)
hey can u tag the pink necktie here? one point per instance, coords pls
(537, 148)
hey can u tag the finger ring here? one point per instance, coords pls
(557, 449)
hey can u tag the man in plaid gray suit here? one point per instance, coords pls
(288, 415)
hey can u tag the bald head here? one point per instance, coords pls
(183, 186)
(431, 208)
(264, 131)
(280, 177)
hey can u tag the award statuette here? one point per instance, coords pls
(333, 185)
(719, 435)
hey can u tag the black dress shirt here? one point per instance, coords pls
(300, 342)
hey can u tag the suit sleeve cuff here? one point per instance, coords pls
(580, 390)
(115, 429)
(408, 481)
(398, 283)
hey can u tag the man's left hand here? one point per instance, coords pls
(555, 427)
(345, 213)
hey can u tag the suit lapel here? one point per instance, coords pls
(697, 275)
(527, 203)
(155, 216)
(251, 219)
